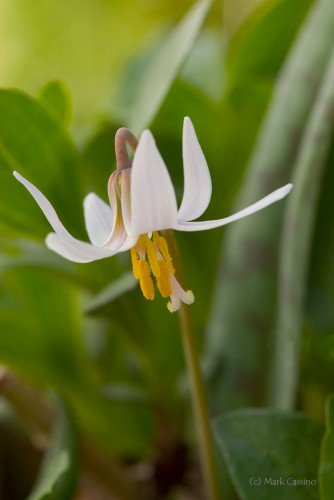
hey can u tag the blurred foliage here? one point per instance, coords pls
(252, 80)
(57, 477)
(326, 466)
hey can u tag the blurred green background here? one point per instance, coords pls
(256, 79)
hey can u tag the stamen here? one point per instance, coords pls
(152, 257)
(165, 253)
(141, 241)
(135, 263)
(140, 247)
(145, 280)
(163, 281)
(150, 254)
(156, 238)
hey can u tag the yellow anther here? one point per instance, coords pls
(152, 257)
(163, 281)
(141, 243)
(135, 262)
(145, 280)
(155, 238)
(164, 251)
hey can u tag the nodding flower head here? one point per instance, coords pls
(142, 203)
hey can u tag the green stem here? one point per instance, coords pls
(197, 387)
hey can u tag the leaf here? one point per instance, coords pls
(205, 67)
(35, 144)
(163, 67)
(326, 466)
(296, 241)
(265, 448)
(274, 21)
(56, 98)
(124, 284)
(27, 253)
(58, 473)
(244, 308)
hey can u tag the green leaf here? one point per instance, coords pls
(56, 98)
(205, 67)
(244, 308)
(27, 253)
(274, 21)
(296, 241)
(35, 144)
(58, 473)
(326, 466)
(124, 284)
(163, 67)
(265, 448)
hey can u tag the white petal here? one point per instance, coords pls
(128, 243)
(211, 224)
(45, 205)
(98, 219)
(76, 250)
(153, 202)
(197, 180)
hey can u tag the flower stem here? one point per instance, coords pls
(197, 387)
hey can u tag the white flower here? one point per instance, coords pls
(142, 203)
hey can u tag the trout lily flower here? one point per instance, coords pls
(143, 203)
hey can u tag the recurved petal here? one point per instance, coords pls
(197, 180)
(153, 202)
(45, 206)
(98, 219)
(211, 224)
(76, 250)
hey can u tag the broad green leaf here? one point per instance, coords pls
(326, 466)
(56, 98)
(58, 473)
(35, 144)
(296, 241)
(245, 299)
(276, 23)
(267, 450)
(163, 67)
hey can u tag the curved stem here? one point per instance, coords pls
(123, 137)
(197, 387)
